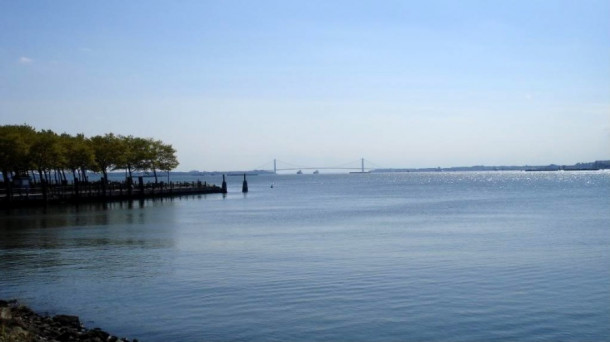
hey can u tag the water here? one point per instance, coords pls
(363, 257)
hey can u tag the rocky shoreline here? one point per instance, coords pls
(19, 323)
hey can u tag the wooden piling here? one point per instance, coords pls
(244, 187)
(224, 185)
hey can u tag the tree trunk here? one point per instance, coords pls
(31, 176)
(104, 182)
(43, 183)
(7, 184)
(84, 174)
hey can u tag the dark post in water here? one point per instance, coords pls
(244, 187)
(224, 185)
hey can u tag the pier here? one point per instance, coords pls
(43, 194)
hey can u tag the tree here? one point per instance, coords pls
(135, 152)
(166, 158)
(23, 149)
(79, 155)
(159, 156)
(15, 143)
(109, 152)
(47, 153)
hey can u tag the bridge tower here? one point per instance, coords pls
(362, 165)
(275, 166)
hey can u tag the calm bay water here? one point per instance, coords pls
(360, 257)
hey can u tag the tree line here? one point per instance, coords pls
(25, 151)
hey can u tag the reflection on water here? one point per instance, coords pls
(437, 256)
(81, 215)
(109, 239)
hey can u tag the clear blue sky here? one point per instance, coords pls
(234, 84)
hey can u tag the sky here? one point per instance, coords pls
(233, 85)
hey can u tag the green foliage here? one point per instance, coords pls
(160, 156)
(79, 154)
(108, 151)
(47, 151)
(15, 144)
(166, 158)
(24, 149)
(136, 152)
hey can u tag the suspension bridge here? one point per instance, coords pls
(358, 166)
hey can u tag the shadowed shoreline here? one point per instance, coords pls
(120, 192)
(20, 323)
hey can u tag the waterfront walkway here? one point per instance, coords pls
(97, 192)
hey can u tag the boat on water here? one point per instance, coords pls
(316, 172)
(299, 172)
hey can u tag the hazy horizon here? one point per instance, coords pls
(234, 84)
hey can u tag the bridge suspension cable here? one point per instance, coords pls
(289, 164)
(279, 165)
(266, 166)
(374, 166)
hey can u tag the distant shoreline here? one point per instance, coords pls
(592, 166)
(588, 166)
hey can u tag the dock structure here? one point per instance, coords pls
(79, 192)
(223, 188)
(244, 186)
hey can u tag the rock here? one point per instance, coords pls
(68, 336)
(19, 323)
(7, 303)
(5, 313)
(23, 311)
(96, 333)
(15, 334)
(67, 320)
